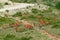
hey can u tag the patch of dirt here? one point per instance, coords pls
(50, 35)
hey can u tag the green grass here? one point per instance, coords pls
(6, 20)
(24, 1)
(25, 34)
(10, 34)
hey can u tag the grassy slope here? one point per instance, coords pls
(33, 34)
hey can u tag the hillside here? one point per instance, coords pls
(30, 20)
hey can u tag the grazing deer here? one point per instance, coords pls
(42, 22)
(27, 25)
(4, 26)
(5, 15)
(16, 24)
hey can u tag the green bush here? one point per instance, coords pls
(58, 5)
(35, 11)
(17, 14)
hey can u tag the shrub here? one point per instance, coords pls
(34, 11)
(17, 14)
(58, 5)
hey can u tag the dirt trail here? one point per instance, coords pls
(50, 35)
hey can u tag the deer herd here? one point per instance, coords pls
(26, 23)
